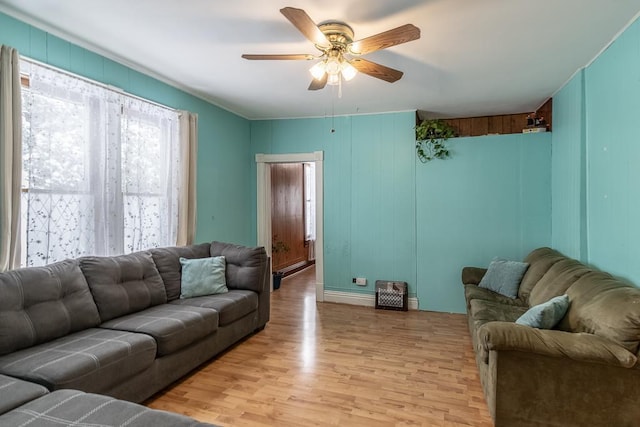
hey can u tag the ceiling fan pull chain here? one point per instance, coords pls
(333, 112)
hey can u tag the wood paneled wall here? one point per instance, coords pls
(287, 214)
(502, 124)
(477, 126)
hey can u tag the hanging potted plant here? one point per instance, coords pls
(431, 135)
(278, 246)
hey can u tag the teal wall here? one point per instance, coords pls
(568, 170)
(610, 97)
(223, 150)
(492, 198)
(369, 192)
(388, 216)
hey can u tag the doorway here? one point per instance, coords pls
(263, 175)
(292, 217)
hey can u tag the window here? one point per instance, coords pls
(310, 201)
(100, 169)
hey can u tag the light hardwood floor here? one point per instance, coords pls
(338, 365)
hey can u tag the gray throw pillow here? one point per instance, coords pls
(545, 315)
(203, 276)
(504, 277)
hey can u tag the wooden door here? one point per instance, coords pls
(287, 215)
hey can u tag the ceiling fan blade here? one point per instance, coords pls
(306, 26)
(403, 34)
(376, 70)
(295, 56)
(317, 84)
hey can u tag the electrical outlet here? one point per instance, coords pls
(361, 281)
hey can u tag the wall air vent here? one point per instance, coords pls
(392, 295)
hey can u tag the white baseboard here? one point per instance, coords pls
(359, 299)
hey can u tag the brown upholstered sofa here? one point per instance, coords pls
(583, 372)
(116, 325)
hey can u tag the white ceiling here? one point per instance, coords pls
(473, 58)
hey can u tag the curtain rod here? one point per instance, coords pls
(96, 83)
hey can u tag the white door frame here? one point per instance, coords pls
(263, 164)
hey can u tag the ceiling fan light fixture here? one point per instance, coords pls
(348, 70)
(333, 65)
(318, 70)
(333, 79)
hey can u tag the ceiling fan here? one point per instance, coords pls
(340, 57)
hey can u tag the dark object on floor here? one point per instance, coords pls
(277, 278)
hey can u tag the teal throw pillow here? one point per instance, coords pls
(545, 315)
(504, 277)
(203, 276)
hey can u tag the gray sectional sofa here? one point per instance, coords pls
(116, 326)
(27, 404)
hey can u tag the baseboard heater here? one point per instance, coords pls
(391, 295)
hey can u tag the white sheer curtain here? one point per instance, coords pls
(101, 170)
(150, 174)
(187, 197)
(10, 158)
(310, 208)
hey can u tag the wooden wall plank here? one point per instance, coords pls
(455, 123)
(495, 125)
(479, 126)
(518, 122)
(465, 127)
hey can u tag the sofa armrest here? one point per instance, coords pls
(581, 347)
(248, 268)
(472, 275)
(245, 265)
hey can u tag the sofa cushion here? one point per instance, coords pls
(75, 408)
(504, 276)
(604, 306)
(472, 292)
(545, 315)
(92, 360)
(39, 304)
(557, 280)
(203, 276)
(16, 392)
(123, 284)
(167, 261)
(482, 311)
(245, 266)
(231, 306)
(172, 327)
(540, 261)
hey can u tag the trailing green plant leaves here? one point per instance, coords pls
(430, 139)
